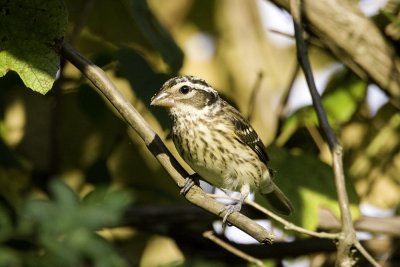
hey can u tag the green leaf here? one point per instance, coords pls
(309, 184)
(64, 196)
(8, 257)
(157, 35)
(100, 200)
(66, 227)
(392, 17)
(29, 32)
(342, 97)
(143, 79)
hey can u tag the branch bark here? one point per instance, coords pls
(355, 40)
(195, 195)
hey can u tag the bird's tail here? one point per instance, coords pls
(277, 199)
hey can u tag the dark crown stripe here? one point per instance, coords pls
(175, 81)
(196, 80)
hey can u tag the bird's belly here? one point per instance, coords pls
(213, 174)
(229, 170)
(219, 161)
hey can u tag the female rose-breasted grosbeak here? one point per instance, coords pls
(217, 142)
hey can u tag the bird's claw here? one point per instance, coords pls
(229, 209)
(190, 181)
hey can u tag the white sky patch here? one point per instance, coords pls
(200, 47)
(375, 98)
(58, 73)
(370, 210)
(274, 18)
(297, 262)
(300, 95)
(371, 7)
(236, 235)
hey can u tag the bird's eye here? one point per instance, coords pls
(184, 89)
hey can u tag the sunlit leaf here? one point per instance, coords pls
(29, 33)
(309, 184)
(374, 157)
(343, 95)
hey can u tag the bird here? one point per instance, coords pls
(218, 143)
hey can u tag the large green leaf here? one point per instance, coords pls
(309, 184)
(157, 35)
(30, 31)
(342, 97)
(65, 228)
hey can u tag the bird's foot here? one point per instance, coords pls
(190, 181)
(229, 209)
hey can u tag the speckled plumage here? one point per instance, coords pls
(217, 142)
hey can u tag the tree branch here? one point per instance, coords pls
(186, 214)
(178, 222)
(156, 146)
(355, 40)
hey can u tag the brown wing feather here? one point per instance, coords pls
(247, 135)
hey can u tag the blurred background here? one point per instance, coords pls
(79, 188)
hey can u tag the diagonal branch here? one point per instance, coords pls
(156, 146)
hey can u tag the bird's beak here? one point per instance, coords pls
(162, 99)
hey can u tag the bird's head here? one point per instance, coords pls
(185, 94)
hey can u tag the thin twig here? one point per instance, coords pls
(132, 117)
(302, 56)
(290, 226)
(282, 108)
(253, 97)
(348, 234)
(365, 253)
(281, 33)
(315, 135)
(287, 225)
(210, 235)
(285, 97)
(310, 39)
